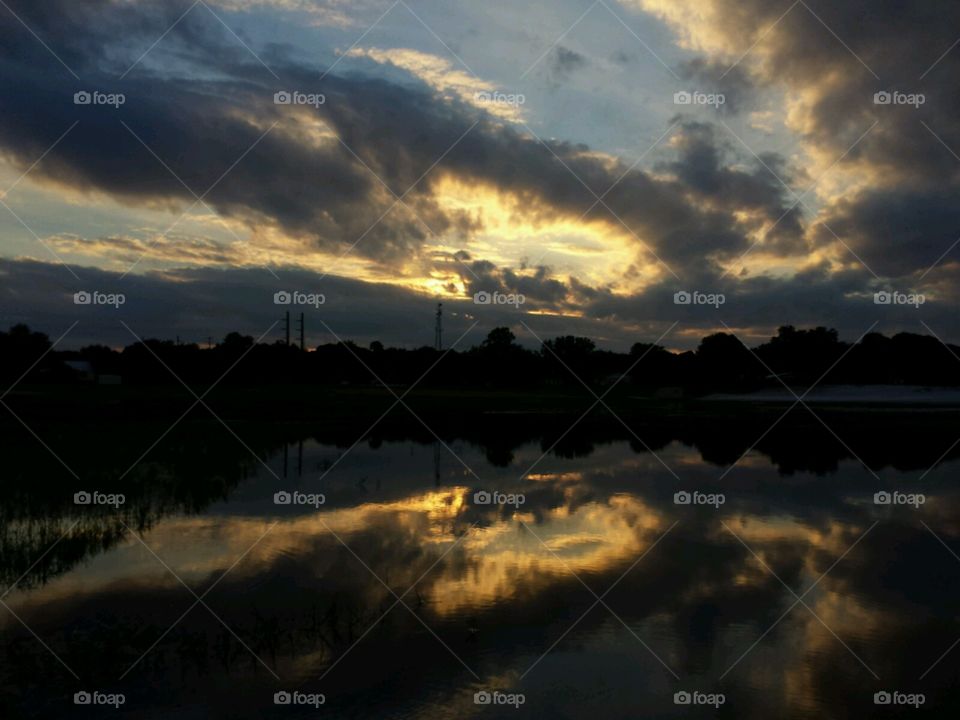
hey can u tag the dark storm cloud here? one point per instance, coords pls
(898, 231)
(212, 103)
(201, 125)
(539, 288)
(704, 167)
(200, 101)
(833, 58)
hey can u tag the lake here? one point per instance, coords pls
(503, 573)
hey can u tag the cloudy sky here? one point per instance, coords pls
(595, 158)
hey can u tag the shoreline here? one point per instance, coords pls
(324, 404)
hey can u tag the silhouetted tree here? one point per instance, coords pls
(19, 350)
(499, 337)
(802, 355)
(235, 340)
(653, 365)
(723, 361)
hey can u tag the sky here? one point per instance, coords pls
(579, 162)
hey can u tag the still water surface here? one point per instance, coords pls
(591, 594)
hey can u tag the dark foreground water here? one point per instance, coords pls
(583, 590)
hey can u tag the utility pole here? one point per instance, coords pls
(438, 332)
(287, 326)
(301, 332)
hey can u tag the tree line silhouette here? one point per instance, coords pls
(798, 357)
